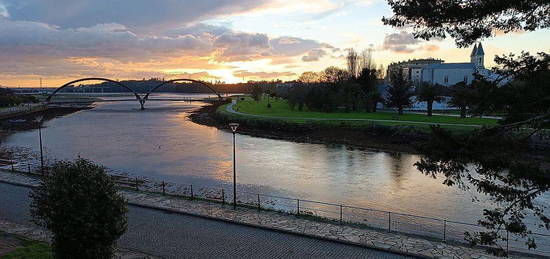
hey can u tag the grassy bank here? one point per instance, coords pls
(281, 111)
(28, 249)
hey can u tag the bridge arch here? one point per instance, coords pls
(138, 98)
(178, 80)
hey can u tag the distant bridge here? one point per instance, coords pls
(141, 99)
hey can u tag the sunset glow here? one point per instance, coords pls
(231, 41)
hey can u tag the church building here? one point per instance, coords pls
(436, 71)
(448, 74)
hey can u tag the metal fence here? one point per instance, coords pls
(414, 225)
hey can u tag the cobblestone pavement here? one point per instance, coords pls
(289, 223)
(174, 235)
(38, 234)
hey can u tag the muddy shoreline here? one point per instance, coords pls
(363, 139)
(28, 122)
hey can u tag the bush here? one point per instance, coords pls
(78, 202)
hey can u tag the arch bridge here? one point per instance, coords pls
(142, 99)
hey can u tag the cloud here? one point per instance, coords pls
(4, 12)
(314, 55)
(400, 42)
(138, 15)
(293, 46)
(262, 75)
(431, 48)
(107, 49)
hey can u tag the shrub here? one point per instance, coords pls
(78, 202)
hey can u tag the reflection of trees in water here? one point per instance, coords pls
(397, 171)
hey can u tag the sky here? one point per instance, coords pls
(227, 40)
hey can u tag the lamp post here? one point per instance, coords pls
(234, 127)
(39, 120)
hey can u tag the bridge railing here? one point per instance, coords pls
(415, 225)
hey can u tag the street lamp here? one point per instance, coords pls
(40, 119)
(234, 127)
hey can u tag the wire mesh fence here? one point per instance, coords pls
(414, 225)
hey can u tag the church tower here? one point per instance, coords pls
(478, 56)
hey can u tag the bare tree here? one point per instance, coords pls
(353, 63)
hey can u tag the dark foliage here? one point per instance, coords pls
(462, 96)
(399, 93)
(79, 203)
(368, 81)
(8, 98)
(468, 21)
(257, 92)
(430, 93)
(501, 157)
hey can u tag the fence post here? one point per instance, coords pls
(389, 221)
(163, 188)
(259, 206)
(444, 230)
(341, 212)
(507, 238)
(137, 184)
(192, 196)
(29, 165)
(12, 169)
(223, 196)
(297, 206)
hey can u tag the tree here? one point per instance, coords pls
(461, 97)
(468, 21)
(78, 202)
(309, 77)
(257, 92)
(399, 93)
(368, 80)
(353, 62)
(429, 93)
(504, 168)
(334, 75)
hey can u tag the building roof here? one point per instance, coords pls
(480, 51)
(451, 66)
(474, 51)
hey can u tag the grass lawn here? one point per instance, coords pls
(31, 249)
(280, 108)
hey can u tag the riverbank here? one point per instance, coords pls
(375, 137)
(21, 110)
(30, 121)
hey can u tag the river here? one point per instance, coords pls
(161, 143)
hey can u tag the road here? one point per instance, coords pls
(180, 236)
(229, 108)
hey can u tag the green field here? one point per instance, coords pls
(30, 249)
(280, 108)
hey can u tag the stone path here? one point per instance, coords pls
(283, 222)
(38, 234)
(230, 109)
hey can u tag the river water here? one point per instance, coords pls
(161, 143)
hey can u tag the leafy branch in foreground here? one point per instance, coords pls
(495, 162)
(500, 161)
(468, 21)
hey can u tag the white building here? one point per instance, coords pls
(435, 71)
(448, 74)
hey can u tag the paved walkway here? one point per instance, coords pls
(183, 236)
(288, 224)
(230, 109)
